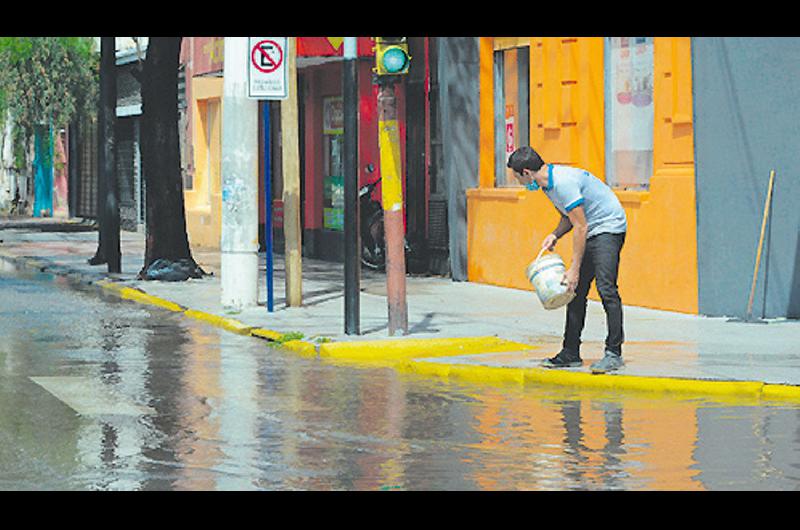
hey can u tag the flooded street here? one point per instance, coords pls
(102, 394)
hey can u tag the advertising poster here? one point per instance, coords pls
(333, 182)
(333, 203)
(631, 110)
(332, 115)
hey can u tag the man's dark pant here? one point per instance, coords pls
(600, 263)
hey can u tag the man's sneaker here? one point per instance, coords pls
(610, 362)
(563, 360)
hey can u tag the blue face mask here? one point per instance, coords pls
(532, 186)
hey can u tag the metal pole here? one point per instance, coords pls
(352, 244)
(268, 209)
(392, 198)
(239, 241)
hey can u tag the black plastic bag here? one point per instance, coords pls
(173, 271)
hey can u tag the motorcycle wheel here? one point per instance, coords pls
(374, 256)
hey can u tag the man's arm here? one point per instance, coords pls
(564, 226)
(577, 218)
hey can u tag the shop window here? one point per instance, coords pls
(333, 180)
(183, 121)
(212, 149)
(629, 112)
(207, 151)
(512, 108)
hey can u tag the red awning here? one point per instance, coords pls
(330, 46)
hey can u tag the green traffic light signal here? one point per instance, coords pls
(395, 60)
(391, 56)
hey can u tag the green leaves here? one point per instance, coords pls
(47, 80)
(16, 49)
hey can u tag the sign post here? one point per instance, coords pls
(268, 209)
(267, 80)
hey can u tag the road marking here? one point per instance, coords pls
(89, 397)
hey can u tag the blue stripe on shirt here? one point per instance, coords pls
(574, 205)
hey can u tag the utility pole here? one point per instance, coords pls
(352, 239)
(239, 242)
(292, 227)
(392, 61)
(109, 203)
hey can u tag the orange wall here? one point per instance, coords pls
(204, 201)
(659, 261)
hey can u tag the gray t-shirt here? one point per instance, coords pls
(570, 187)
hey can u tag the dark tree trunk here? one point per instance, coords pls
(107, 161)
(161, 166)
(108, 249)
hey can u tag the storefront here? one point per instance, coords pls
(319, 69)
(320, 109)
(201, 139)
(620, 108)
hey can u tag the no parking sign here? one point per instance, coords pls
(266, 72)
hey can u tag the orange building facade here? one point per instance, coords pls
(565, 118)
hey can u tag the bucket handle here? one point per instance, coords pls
(539, 255)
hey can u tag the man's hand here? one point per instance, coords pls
(549, 242)
(571, 279)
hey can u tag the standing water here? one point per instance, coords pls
(102, 394)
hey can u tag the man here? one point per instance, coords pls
(592, 211)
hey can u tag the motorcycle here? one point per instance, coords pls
(373, 244)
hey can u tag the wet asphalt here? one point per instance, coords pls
(97, 393)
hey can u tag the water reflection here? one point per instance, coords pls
(225, 412)
(585, 441)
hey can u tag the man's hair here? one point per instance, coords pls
(525, 158)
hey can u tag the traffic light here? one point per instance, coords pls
(391, 56)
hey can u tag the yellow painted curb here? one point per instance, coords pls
(266, 334)
(487, 374)
(466, 372)
(644, 383)
(227, 323)
(781, 392)
(393, 351)
(111, 286)
(440, 370)
(539, 376)
(300, 346)
(137, 295)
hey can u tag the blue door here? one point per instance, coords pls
(43, 172)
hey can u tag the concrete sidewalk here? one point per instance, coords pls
(493, 328)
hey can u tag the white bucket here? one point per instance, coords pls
(545, 274)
